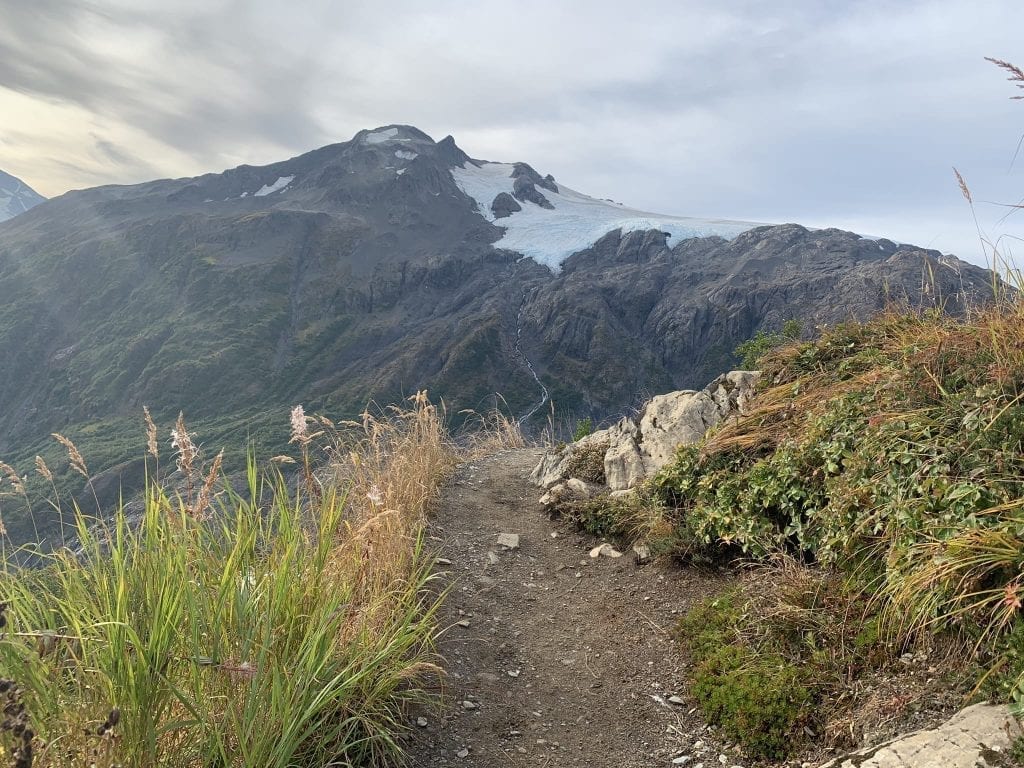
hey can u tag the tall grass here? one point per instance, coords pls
(259, 623)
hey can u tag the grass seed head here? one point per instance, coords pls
(74, 456)
(152, 446)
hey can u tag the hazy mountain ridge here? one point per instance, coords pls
(16, 197)
(363, 270)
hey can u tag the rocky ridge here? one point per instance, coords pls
(363, 271)
(620, 457)
(16, 197)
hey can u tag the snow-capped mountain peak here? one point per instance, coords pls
(16, 196)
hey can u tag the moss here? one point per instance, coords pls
(759, 700)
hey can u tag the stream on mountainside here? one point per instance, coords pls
(529, 365)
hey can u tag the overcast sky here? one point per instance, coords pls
(824, 112)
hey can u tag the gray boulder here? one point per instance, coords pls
(634, 450)
(976, 737)
(623, 462)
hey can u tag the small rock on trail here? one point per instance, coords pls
(568, 660)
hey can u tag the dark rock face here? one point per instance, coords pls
(362, 271)
(525, 171)
(504, 205)
(524, 189)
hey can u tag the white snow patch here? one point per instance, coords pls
(277, 186)
(245, 194)
(379, 137)
(401, 154)
(577, 221)
(400, 171)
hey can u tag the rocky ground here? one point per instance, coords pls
(555, 658)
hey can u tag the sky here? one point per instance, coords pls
(827, 113)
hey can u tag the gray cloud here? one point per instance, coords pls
(845, 113)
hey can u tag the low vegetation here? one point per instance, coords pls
(243, 621)
(884, 462)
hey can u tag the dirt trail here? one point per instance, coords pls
(554, 658)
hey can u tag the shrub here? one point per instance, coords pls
(757, 698)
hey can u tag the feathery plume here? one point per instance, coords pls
(74, 457)
(300, 428)
(1016, 73)
(151, 443)
(206, 492)
(964, 190)
(181, 441)
(12, 478)
(43, 469)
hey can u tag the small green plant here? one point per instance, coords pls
(756, 697)
(583, 428)
(752, 350)
(759, 700)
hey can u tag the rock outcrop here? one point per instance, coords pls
(976, 737)
(631, 450)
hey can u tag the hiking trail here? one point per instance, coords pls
(554, 658)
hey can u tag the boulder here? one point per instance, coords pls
(635, 450)
(623, 464)
(669, 421)
(975, 737)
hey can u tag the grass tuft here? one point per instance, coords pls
(240, 623)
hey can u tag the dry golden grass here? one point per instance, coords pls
(303, 609)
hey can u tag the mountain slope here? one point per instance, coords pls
(364, 270)
(16, 196)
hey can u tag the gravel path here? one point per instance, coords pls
(554, 658)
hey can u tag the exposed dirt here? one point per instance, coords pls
(559, 659)
(564, 660)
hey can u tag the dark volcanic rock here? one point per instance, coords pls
(504, 205)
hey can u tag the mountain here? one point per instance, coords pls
(389, 263)
(16, 196)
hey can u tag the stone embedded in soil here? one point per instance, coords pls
(642, 552)
(508, 540)
(421, 722)
(462, 753)
(605, 550)
(975, 737)
(467, 705)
